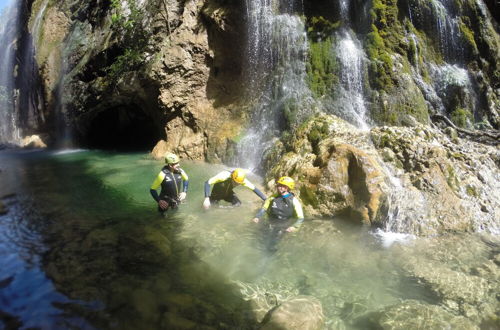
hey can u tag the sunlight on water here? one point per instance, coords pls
(82, 227)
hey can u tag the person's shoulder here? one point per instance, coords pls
(224, 173)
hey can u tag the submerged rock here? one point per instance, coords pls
(300, 313)
(413, 315)
(457, 271)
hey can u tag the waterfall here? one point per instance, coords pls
(9, 33)
(37, 23)
(276, 74)
(447, 28)
(441, 19)
(350, 103)
(344, 10)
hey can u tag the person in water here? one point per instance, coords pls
(173, 182)
(223, 185)
(284, 212)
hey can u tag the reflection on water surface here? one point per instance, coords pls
(83, 246)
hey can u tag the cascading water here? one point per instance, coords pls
(9, 32)
(350, 103)
(444, 24)
(276, 72)
(447, 28)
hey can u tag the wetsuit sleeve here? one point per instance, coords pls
(185, 181)
(259, 193)
(298, 212)
(249, 185)
(222, 176)
(154, 193)
(207, 189)
(264, 208)
(156, 184)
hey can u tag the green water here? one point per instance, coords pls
(83, 228)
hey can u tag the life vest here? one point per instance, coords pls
(171, 185)
(281, 208)
(223, 189)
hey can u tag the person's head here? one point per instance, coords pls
(238, 175)
(172, 160)
(285, 184)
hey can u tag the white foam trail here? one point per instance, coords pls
(388, 238)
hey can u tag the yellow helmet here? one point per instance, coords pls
(238, 175)
(171, 158)
(286, 181)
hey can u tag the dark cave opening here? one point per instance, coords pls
(123, 128)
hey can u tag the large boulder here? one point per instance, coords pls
(33, 141)
(334, 175)
(406, 179)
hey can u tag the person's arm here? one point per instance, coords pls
(156, 184)
(185, 181)
(263, 209)
(207, 189)
(251, 186)
(259, 193)
(299, 213)
(155, 195)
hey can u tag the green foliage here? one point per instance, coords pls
(381, 62)
(387, 37)
(319, 28)
(461, 117)
(321, 67)
(133, 37)
(129, 61)
(468, 34)
(308, 196)
(471, 191)
(318, 132)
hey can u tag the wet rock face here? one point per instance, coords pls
(334, 175)
(172, 72)
(452, 181)
(415, 180)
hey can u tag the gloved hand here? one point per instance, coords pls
(206, 203)
(182, 196)
(163, 204)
